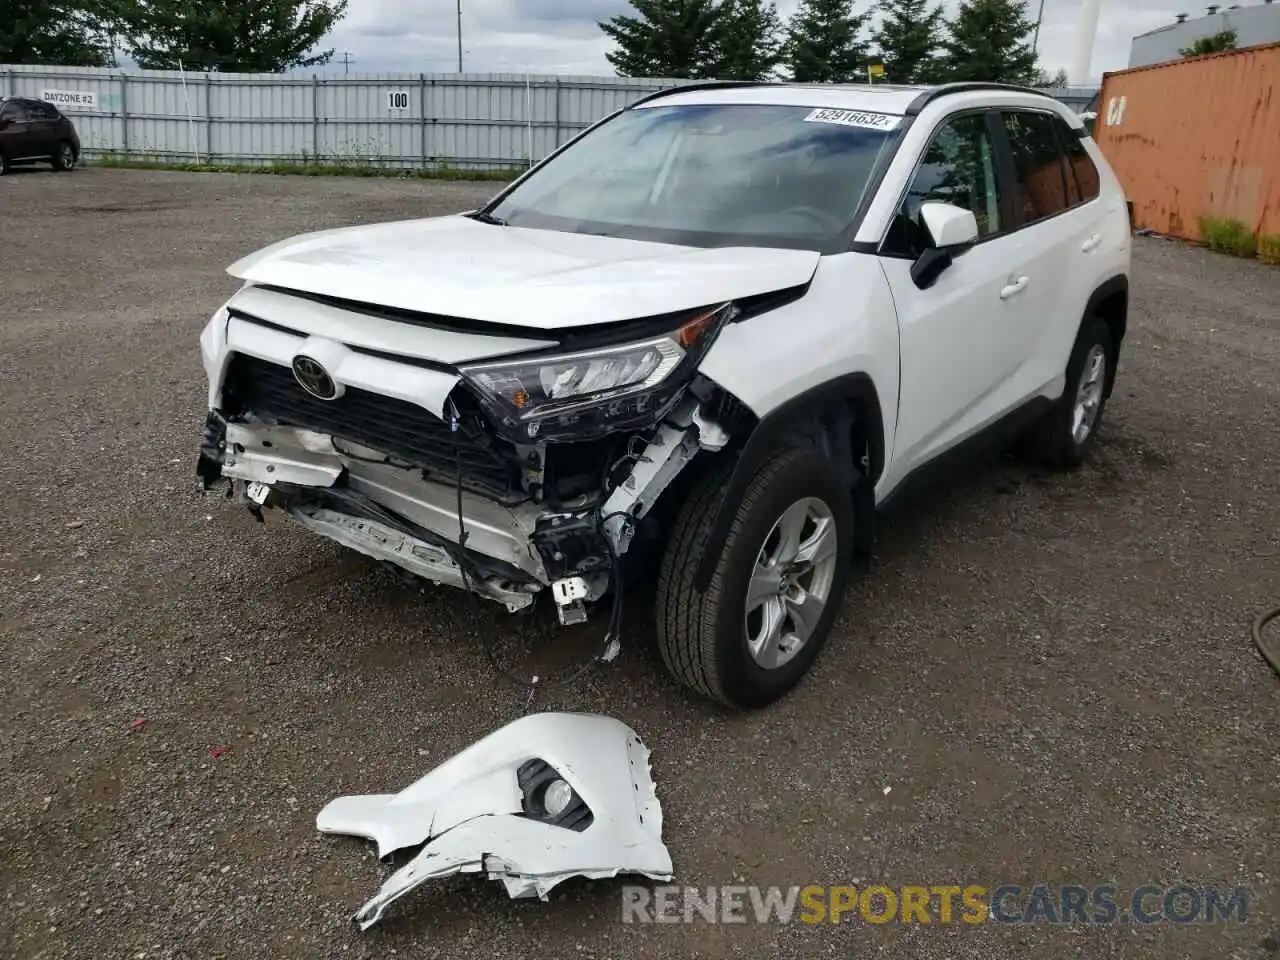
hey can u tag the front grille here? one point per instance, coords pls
(402, 430)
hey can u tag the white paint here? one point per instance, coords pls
(398, 100)
(64, 99)
(1086, 35)
(1115, 110)
(539, 279)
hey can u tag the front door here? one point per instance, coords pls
(964, 338)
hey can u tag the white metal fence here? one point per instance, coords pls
(410, 120)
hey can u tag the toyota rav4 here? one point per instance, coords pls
(703, 342)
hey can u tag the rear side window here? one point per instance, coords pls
(1082, 177)
(1039, 165)
(11, 111)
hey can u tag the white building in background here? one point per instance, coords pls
(1253, 25)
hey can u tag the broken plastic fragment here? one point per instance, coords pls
(547, 797)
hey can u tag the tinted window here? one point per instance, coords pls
(710, 175)
(1083, 180)
(1041, 188)
(41, 111)
(11, 111)
(959, 167)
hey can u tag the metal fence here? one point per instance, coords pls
(411, 120)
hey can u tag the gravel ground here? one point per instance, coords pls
(1052, 674)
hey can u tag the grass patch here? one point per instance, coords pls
(1269, 248)
(1228, 236)
(310, 168)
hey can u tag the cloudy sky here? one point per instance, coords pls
(561, 36)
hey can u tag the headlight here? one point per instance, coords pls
(542, 395)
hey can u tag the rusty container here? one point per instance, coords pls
(1197, 137)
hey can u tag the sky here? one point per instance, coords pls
(562, 36)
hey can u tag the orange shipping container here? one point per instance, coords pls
(1197, 137)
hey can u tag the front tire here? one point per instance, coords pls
(777, 585)
(1062, 440)
(64, 159)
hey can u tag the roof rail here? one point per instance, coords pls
(964, 86)
(701, 85)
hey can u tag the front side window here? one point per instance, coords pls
(40, 111)
(1039, 165)
(958, 167)
(710, 176)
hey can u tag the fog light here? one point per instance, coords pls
(557, 797)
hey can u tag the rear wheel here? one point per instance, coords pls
(777, 585)
(64, 158)
(1063, 438)
(4, 165)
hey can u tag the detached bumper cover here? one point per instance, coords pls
(489, 809)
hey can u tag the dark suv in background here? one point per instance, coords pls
(32, 131)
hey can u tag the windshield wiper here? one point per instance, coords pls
(489, 218)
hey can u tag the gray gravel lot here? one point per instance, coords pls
(1052, 674)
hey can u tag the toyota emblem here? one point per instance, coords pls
(313, 378)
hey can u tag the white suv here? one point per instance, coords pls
(700, 345)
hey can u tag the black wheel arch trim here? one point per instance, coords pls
(1117, 288)
(829, 409)
(1105, 291)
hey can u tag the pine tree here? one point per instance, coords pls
(751, 48)
(243, 36)
(681, 39)
(825, 44)
(909, 38)
(989, 40)
(51, 32)
(1218, 43)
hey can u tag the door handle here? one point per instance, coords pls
(1091, 243)
(1014, 287)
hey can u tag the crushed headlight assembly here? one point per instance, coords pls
(575, 395)
(547, 797)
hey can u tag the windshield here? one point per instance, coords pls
(710, 176)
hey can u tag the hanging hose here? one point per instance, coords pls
(1271, 656)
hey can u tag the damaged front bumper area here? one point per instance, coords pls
(548, 797)
(446, 530)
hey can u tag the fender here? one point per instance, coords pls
(830, 408)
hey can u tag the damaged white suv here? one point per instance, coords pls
(705, 341)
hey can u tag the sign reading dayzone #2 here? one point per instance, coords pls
(854, 118)
(397, 99)
(70, 98)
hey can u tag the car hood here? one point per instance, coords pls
(458, 267)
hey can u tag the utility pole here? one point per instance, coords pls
(346, 61)
(459, 36)
(1035, 39)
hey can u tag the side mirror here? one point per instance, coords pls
(952, 229)
(949, 226)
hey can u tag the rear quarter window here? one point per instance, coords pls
(1083, 173)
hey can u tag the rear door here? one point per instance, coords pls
(45, 122)
(963, 339)
(1056, 233)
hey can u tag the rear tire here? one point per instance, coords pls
(65, 158)
(1062, 440)
(715, 642)
(4, 165)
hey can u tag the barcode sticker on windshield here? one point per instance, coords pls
(854, 118)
